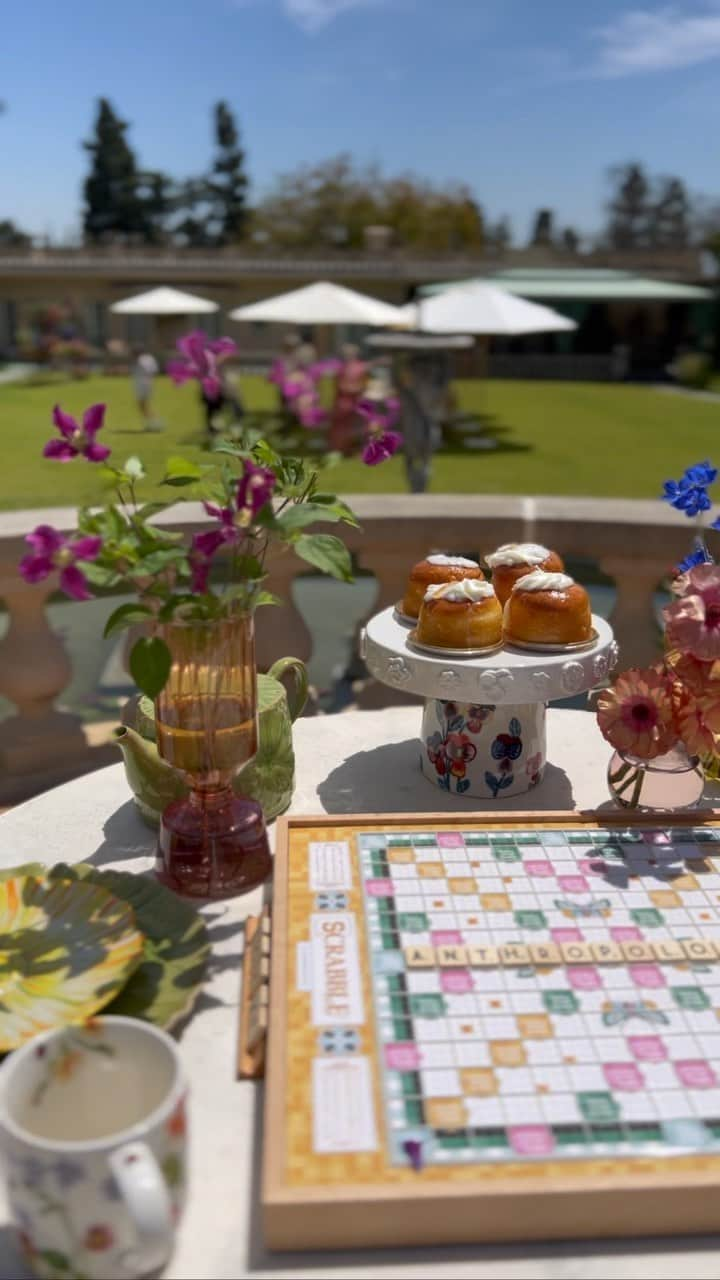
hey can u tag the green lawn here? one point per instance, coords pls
(555, 437)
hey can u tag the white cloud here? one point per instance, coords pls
(662, 39)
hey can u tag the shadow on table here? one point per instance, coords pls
(12, 1266)
(126, 837)
(388, 780)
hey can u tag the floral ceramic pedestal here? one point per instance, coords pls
(482, 750)
(483, 725)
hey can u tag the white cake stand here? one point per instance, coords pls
(483, 725)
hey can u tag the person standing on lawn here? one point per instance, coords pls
(143, 373)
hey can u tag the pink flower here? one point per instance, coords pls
(76, 440)
(200, 361)
(382, 442)
(693, 729)
(98, 1238)
(693, 621)
(52, 550)
(636, 714)
(301, 393)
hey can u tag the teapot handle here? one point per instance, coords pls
(298, 693)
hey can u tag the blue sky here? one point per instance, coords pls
(528, 101)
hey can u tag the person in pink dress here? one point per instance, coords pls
(349, 386)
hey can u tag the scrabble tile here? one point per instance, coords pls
(606, 953)
(545, 953)
(698, 949)
(576, 952)
(450, 957)
(445, 1113)
(483, 957)
(667, 950)
(420, 957)
(635, 952)
(514, 954)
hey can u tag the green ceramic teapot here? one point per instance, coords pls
(269, 778)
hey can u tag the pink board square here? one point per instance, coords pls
(625, 933)
(695, 1073)
(647, 1048)
(446, 938)
(450, 840)
(647, 975)
(531, 1139)
(566, 935)
(380, 888)
(584, 977)
(456, 982)
(536, 867)
(573, 884)
(403, 1055)
(592, 866)
(623, 1075)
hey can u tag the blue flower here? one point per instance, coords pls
(689, 493)
(702, 474)
(698, 556)
(715, 524)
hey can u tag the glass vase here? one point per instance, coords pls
(672, 781)
(213, 843)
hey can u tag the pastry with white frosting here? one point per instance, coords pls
(464, 614)
(547, 607)
(433, 571)
(514, 559)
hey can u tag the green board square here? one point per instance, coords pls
(578, 837)
(692, 998)
(452, 1141)
(567, 1137)
(714, 1127)
(644, 1133)
(396, 983)
(598, 1107)
(486, 1138)
(607, 1133)
(399, 1006)
(413, 922)
(410, 1084)
(527, 837)
(402, 1029)
(423, 841)
(530, 920)
(398, 842)
(560, 1001)
(648, 917)
(506, 853)
(427, 1005)
(414, 1113)
(476, 837)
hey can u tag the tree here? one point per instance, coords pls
(228, 181)
(570, 240)
(543, 232)
(11, 237)
(499, 234)
(334, 202)
(629, 207)
(669, 218)
(113, 202)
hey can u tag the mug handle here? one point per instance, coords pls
(147, 1200)
(298, 694)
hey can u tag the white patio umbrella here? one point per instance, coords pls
(164, 302)
(482, 308)
(321, 303)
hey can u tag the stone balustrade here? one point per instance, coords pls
(633, 542)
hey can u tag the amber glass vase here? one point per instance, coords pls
(212, 844)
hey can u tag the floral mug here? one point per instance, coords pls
(93, 1136)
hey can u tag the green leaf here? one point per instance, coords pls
(325, 552)
(249, 567)
(161, 559)
(151, 509)
(126, 616)
(303, 514)
(134, 468)
(180, 471)
(150, 663)
(54, 1259)
(265, 597)
(100, 576)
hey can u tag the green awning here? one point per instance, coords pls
(589, 285)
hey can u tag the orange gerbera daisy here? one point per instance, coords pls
(636, 713)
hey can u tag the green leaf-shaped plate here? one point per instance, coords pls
(67, 947)
(176, 946)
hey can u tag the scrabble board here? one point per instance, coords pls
(494, 1028)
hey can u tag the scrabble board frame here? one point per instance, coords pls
(537, 1200)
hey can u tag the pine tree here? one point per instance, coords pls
(227, 184)
(113, 205)
(629, 209)
(543, 232)
(669, 220)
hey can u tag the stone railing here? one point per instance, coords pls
(634, 543)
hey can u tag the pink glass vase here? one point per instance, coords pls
(213, 843)
(673, 781)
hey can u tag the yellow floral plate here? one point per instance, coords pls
(66, 949)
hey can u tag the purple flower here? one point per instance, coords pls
(76, 440)
(379, 413)
(52, 550)
(200, 361)
(254, 490)
(380, 447)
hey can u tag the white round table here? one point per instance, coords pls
(357, 762)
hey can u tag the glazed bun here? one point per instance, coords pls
(547, 608)
(514, 560)
(460, 615)
(436, 569)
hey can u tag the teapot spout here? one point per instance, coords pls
(154, 783)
